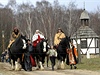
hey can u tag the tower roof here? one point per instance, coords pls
(84, 15)
(85, 32)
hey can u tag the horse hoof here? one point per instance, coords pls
(18, 70)
(37, 68)
(42, 69)
(62, 66)
(12, 69)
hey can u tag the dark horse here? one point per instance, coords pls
(40, 53)
(16, 51)
(61, 50)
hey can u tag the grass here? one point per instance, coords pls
(92, 64)
(89, 64)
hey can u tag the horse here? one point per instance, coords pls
(61, 51)
(16, 51)
(40, 53)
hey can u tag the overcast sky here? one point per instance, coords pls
(90, 5)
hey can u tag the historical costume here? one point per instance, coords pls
(14, 35)
(37, 37)
(27, 64)
(72, 56)
(58, 36)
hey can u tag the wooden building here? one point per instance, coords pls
(86, 37)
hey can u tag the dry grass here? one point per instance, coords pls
(92, 64)
(89, 64)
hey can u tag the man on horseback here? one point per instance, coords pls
(15, 34)
(61, 42)
(16, 48)
(58, 36)
(37, 37)
(39, 48)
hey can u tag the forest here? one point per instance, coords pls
(44, 16)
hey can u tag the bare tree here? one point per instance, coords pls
(13, 6)
(25, 14)
(6, 18)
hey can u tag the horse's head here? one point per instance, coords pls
(44, 45)
(68, 40)
(65, 41)
(24, 40)
(19, 43)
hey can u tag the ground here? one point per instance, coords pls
(5, 69)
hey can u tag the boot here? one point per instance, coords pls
(70, 66)
(52, 68)
(75, 67)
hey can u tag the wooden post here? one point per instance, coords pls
(99, 47)
(79, 54)
(3, 46)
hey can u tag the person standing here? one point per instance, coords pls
(58, 36)
(72, 56)
(26, 64)
(52, 54)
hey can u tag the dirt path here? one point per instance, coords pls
(5, 69)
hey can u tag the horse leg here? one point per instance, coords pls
(17, 65)
(62, 62)
(58, 64)
(12, 64)
(62, 65)
(47, 60)
(37, 63)
(43, 60)
(41, 63)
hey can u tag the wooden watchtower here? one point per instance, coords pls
(86, 37)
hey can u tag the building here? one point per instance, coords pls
(86, 37)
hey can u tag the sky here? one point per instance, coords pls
(90, 5)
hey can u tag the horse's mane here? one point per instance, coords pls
(65, 41)
(18, 39)
(40, 45)
(17, 44)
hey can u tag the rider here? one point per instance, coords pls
(58, 36)
(37, 37)
(14, 35)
